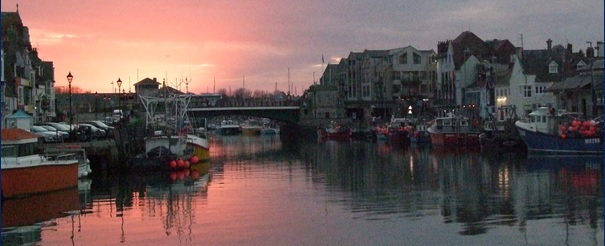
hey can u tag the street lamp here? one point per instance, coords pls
(96, 106)
(119, 85)
(71, 117)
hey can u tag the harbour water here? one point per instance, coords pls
(259, 191)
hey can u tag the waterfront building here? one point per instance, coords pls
(26, 79)
(457, 69)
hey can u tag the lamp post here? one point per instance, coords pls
(119, 85)
(71, 117)
(96, 106)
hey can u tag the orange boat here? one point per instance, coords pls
(24, 172)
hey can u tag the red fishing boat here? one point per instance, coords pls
(453, 131)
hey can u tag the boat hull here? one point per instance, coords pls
(539, 142)
(455, 139)
(200, 147)
(38, 179)
(228, 131)
(29, 210)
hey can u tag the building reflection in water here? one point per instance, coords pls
(477, 191)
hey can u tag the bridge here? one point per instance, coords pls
(287, 114)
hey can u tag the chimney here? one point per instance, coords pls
(589, 52)
(155, 79)
(569, 48)
(549, 44)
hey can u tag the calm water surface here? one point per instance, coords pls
(258, 191)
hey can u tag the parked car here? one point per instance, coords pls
(61, 127)
(99, 124)
(94, 131)
(63, 134)
(48, 136)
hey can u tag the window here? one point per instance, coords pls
(403, 59)
(526, 90)
(416, 58)
(553, 67)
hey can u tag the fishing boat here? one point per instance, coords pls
(84, 169)
(251, 127)
(553, 131)
(398, 130)
(166, 146)
(452, 130)
(24, 172)
(335, 132)
(198, 141)
(269, 130)
(499, 132)
(419, 134)
(228, 127)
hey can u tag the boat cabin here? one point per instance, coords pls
(453, 124)
(17, 143)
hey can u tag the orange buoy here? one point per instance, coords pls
(194, 159)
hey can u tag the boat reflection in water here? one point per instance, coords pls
(470, 190)
(23, 219)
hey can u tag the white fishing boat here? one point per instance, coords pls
(228, 127)
(166, 147)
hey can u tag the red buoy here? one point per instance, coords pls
(194, 160)
(172, 164)
(180, 163)
(186, 164)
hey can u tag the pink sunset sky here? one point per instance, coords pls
(254, 43)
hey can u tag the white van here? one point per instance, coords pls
(117, 115)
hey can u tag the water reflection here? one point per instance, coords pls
(355, 192)
(23, 219)
(169, 196)
(479, 192)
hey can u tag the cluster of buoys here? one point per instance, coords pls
(185, 173)
(180, 163)
(578, 128)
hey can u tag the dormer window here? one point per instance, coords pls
(417, 58)
(553, 67)
(403, 59)
(580, 64)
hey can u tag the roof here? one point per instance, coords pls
(577, 82)
(147, 81)
(19, 114)
(15, 134)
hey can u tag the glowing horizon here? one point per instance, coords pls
(210, 41)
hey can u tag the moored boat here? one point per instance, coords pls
(84, 169)
(450, 131)
(24, 172)
(560, 132)
(199, 142)
(398, 130)
(335, 132)
(228, 127)
(419, 134)
(251, 127)
(166, 148)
